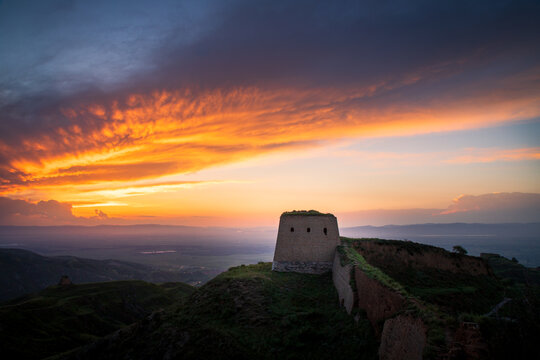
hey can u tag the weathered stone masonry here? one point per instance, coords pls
(306, 242)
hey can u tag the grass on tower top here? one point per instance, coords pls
(306, 213)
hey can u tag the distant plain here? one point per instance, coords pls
(214, 249)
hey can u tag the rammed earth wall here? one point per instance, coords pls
(406, 254)
(379, 301)
(403, 338)
(342, 276)
(360, 285)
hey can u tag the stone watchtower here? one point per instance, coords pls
(306, 242)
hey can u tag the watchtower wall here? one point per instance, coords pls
(306, 243)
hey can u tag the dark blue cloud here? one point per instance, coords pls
(354, 42)
(71, 46)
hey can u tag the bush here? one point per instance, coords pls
(459, 249)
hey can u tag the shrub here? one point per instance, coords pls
(459, 249)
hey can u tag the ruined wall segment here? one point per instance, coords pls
(342, 274)
(379, 301)
(403, 254)
(306, 242)
(384, 301)
(403, 338)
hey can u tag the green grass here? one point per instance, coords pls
(63, 317)
(305, 213)
(288, 315)
(507, 269)
(410, 247)
(372, 271)
(251, 312)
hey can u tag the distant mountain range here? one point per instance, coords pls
(454, 229)
(23, 272)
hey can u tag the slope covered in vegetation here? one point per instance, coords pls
(60, 318)
(469, 309)
(247, 312)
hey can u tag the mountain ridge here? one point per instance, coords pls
(23, 271)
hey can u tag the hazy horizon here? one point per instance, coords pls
(218, 248)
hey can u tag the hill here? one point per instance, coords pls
(60, 318)
(447, 305)
(512, 270)
(247, 312)
(435, 304)
(23, 272)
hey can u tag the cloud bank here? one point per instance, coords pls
(485, 208)
(51, 212)
(122, 95)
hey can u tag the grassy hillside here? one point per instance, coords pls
(247, 312)
(23, 272)
(512, 270)
(60, 318)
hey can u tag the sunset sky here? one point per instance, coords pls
(227, 113)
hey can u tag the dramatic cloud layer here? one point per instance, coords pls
(102, 100)
(269, 76)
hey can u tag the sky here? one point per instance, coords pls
(227, 113)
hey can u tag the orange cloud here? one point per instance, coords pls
(176, 132)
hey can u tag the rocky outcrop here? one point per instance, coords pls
(403, 338)
(379, 301)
